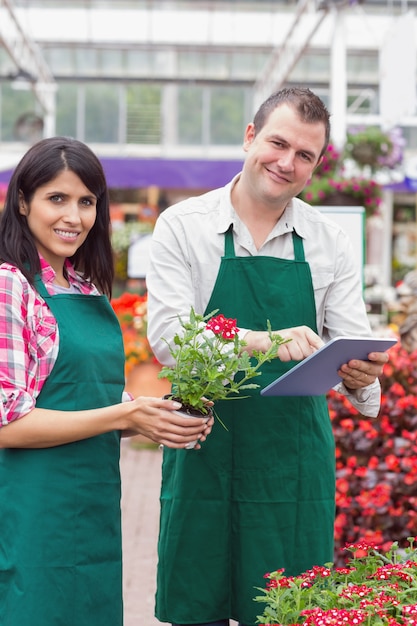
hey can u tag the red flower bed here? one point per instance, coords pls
(376, 461)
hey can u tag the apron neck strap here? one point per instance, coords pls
(298, 247)
(40, 286)
(229, 246)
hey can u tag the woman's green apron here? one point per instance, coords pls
(60, 538)
(260, 495)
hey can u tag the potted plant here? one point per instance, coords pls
(376, 587)
(374, 148)
(330, 186)
(211, 363)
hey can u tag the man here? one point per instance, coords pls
(260, 495)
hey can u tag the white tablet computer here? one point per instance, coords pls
(317, 373)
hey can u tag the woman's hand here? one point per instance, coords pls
(155, 418)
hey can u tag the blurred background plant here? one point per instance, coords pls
(349, 176)
(376, 460)
(339, 191)
(132, 312)
(122, 238)
(330, 186)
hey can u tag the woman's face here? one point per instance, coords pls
(60, 216)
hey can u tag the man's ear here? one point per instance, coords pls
(319, 162)
(249, 136)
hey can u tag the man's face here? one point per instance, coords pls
(281, 158)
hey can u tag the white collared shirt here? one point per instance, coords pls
(186, 250)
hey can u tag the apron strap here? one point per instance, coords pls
(298, 247)
(229, 246)
(40, 287)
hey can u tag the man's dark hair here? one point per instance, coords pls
(309, 107)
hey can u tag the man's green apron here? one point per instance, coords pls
(60, 537)
(260, 495)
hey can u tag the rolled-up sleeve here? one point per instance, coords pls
(366, 400)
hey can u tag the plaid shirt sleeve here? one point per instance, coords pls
(29, 337)
(28, 344)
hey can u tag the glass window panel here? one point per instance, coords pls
(410, 135)
(19, 111)
(163, 63)
(66, 109)
(190, 120)
(217, 64)
(111, 62)
(138, 63)
(362, 68)
(6, 64)
(246, 65)
(143, 114)
(190, 64)
(60, 60)
(312, 68)
(86, 61)
(101, 113)
(363, 102)
(227, 121)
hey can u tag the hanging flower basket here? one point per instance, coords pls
(372, 147)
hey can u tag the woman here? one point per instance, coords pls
(61, 410)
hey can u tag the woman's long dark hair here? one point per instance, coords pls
(41, 164)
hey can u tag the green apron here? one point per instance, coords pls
(60, 538)
(260, 495)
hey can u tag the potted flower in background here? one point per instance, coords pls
(330, 186)
(339, 191)
(353, 175)
(211, 363)
(374, 148)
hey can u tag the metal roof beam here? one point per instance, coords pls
(307, 19)
(27, 57)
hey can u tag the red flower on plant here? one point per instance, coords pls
(221, 325)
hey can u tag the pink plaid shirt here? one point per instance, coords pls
(29, 337)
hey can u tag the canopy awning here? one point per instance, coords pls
(135, 173)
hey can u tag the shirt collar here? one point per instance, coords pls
(296, 212)
(291, 219)
(48, 273)
(227, 214)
